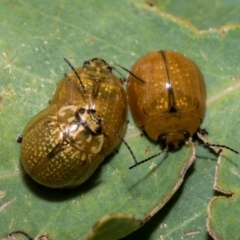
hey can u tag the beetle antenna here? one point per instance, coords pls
(206, 143)
(128, 147)
(74, 70)
(126, 144)
(220, 146)
(125, 69)
(133, 156)
(131, 152)
(147, 159)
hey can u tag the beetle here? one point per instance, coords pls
(170, 104)
(65, 143)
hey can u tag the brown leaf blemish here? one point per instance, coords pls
(150, 3)
(2, 194)
(6, 204)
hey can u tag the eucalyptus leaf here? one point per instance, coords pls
(35, 37)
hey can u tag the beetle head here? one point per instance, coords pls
(174, 140)
(89, 119)
(97, 63)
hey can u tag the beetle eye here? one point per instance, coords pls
(186, 135)
(92, 111)
(162, 138)
(98, 130)
(81, 111)
(86, 63)
(104, 61)
(109, 68)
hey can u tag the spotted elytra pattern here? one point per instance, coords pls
(65, 143)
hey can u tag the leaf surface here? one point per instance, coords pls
(35, 38)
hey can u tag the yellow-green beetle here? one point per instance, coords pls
(64, 144)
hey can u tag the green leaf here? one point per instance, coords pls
(197, 12)
(35, 38)
(225, 207)
(112, 225)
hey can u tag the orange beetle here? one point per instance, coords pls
(170, 105)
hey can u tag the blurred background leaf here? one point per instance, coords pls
(35, 36)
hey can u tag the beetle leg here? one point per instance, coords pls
(19, 138)
(143, 133)
(202, 131)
